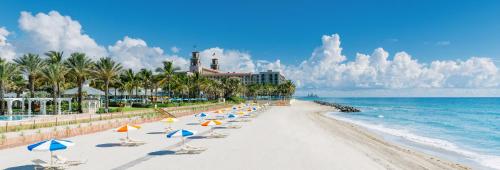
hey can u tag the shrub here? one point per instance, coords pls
(236, 99)
(142, 105)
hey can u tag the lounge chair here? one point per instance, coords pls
(245, 120)
(62, 160)
(231, 126)
(188, 149)
(131, 142)
(41, 164)
(169, 129)
(217, 135)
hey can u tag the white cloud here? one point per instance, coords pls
(7, 51)
(328, 68)
(52, 31)
(229, 60)
(135, 54)
(175, 49)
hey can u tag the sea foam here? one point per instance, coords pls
(488, 161)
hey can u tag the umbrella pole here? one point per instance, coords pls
(50, 158)
(127, 134)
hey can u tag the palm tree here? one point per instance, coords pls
(55, 57)
(80, 68)
(231, 87)
(130, 81)
(31, 65)
(54, 74)
(7, 72)
(107, 70)
(166, 74)
(146, 78)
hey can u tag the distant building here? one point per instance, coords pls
(268, 77)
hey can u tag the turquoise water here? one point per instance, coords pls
(14, 117)
(465, 130)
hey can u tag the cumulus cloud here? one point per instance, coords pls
(175, 49)
(7, 50)
(328, 68)
(136, 54)
(229, 60)
(53, 31)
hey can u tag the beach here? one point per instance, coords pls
(299, 136)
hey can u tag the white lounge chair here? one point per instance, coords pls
(188, 149)
(217, 135)
(231, 126)
(41, 164)
(131, 142)
(62, 160)
(169, 129)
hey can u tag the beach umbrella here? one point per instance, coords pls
(211, 123)
(126, 128)
(219, 111)
(170, 120)
(232, 116)
(201, 115)
(241, 113)
(181, 133)
(50, 145)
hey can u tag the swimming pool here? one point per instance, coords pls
(14, 117)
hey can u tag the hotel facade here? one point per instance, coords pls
(268, 77)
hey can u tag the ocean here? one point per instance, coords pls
(464, 130)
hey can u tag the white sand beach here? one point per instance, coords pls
(284, 137)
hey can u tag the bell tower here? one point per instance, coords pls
(195, 66)
(215, 64)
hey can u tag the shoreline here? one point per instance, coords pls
(387, 153)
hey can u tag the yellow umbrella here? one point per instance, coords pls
(170, 120)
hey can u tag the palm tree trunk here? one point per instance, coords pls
(80, 96)
(32, 85)
(54, 94)
(107, 96)
(2, 91)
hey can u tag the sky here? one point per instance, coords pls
(336, 48)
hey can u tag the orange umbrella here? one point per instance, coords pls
(211, 123)
(126, 128)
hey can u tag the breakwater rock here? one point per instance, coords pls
(342, 108)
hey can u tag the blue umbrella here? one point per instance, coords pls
(181, 133)
(232, 116)
(202, 115)
(50, 145)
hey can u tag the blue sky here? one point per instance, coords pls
(290, 31)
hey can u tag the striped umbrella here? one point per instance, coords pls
(211, 123)
(201, 115)
(232, 116)
(50, 145)
(181, 133)
(126, 128)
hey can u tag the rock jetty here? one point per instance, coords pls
(342, 108)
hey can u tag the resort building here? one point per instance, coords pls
(268, 77)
